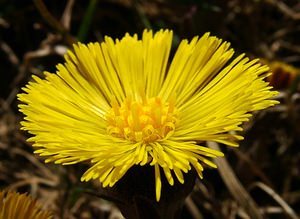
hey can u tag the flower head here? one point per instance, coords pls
(20, 206)
(125, 102)
(284, 75)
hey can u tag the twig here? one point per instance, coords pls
(272, 210)
(284, 9)
(53, 22)
(235, 187)
(189, 203)
(253, 167)
(32, 180)
(4, 23)
(66, 17)
(44, 171)
(287, 10)
(290, 46)
(12, 57)
(287, 209)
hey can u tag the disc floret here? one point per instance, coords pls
(147, 120)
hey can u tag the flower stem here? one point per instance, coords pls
(134, 195)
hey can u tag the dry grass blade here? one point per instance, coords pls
(12, 57)
(67, 15)
(235, 187)
(193, 209)
(288, 11)
(53, 21)
(286, 208)
(43, 169)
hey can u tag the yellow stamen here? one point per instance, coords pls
(147, 120)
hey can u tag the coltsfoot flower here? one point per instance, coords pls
(284, 75)
(122, 103)
(20, 206)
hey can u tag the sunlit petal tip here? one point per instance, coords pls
(48, 160)
(157, 182)
(221, 154)
(84, 179)
(60, 162)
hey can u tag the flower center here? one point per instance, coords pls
(146, 121)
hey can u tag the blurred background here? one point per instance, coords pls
(261, 179)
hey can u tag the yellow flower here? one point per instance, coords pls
(20, 206)
(123, 103)
(284, 75)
